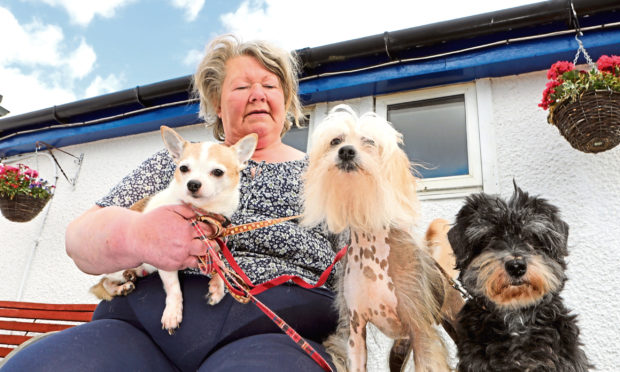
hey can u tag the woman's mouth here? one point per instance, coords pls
(257, 112)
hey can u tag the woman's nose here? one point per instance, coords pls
(257, 93)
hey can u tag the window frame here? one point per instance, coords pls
(450, 186)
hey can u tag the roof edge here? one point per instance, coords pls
(457, 29)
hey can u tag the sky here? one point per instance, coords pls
(59, 51)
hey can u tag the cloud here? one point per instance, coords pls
(81, 61)
(38, 67)
(82, 12)
(31, 44)
(24, 92)
(328, 21)
(99, 85)
(193, 57)
(192, 7)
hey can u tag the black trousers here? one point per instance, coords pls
(126, 333)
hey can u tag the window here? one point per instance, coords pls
(441, 135)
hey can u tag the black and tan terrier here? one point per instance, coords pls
(511, 260)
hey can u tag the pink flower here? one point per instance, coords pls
(31, 173)
(558, 68)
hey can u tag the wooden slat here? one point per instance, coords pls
(13, 339)
(4, 351)
(34, 312)
(82, 316)
(32, 327)
(42, 306)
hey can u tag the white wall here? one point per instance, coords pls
(586, 188)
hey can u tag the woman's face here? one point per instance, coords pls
(252, 101)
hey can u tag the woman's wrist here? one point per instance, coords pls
(99, 240)
(126, 240)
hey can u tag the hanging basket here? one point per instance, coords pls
(591, 123)
(22, 208)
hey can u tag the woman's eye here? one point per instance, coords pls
(184, 168)
(217, 173)
(336, 141)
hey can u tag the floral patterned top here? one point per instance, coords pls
(274, 191)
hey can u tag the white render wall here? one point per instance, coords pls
(586, 188)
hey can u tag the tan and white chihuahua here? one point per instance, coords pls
(207, 177)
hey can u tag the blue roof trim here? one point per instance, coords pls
(511, 59)
(174, 116)
(503, 60)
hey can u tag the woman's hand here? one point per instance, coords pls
(106, 240)
(165, 238)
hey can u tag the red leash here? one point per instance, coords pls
(256, 289)
(242, 288)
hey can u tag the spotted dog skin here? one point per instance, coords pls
(359, 179)
(380, 270)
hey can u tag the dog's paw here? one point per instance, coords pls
(172, 317)
(130, 275)
(125, 289)
(214, 299)
(216, 291)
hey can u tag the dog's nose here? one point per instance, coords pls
(516, 267)
(193, 185)
(346, 153)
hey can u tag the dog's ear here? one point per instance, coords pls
(343, 108)
(561, 241)
(455, 237)
(245, 147)
(173, 141)
(472, 225)
(548, 226)
(544, 221)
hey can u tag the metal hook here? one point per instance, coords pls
(78, 160)
(574, 20)
(386, 43)
(578, 33)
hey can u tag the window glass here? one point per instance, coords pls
(298, 137)
(434, 134)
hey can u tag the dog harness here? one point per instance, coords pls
(239, 285)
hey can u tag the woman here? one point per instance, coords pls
(243, 88)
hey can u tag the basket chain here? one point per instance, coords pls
(585, 53)
(579, 42)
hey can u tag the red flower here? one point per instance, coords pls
(558, 68)
(608, 64)
(546, 100)
(8, 168)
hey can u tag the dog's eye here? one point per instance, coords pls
(184, 168)
(336, 141)
(368, 141)
(217, 172)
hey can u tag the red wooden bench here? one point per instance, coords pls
(37, 318)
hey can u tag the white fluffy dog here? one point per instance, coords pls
(359, 178)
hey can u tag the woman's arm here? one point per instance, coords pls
(105, 240)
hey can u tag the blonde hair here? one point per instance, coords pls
(211, 72)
